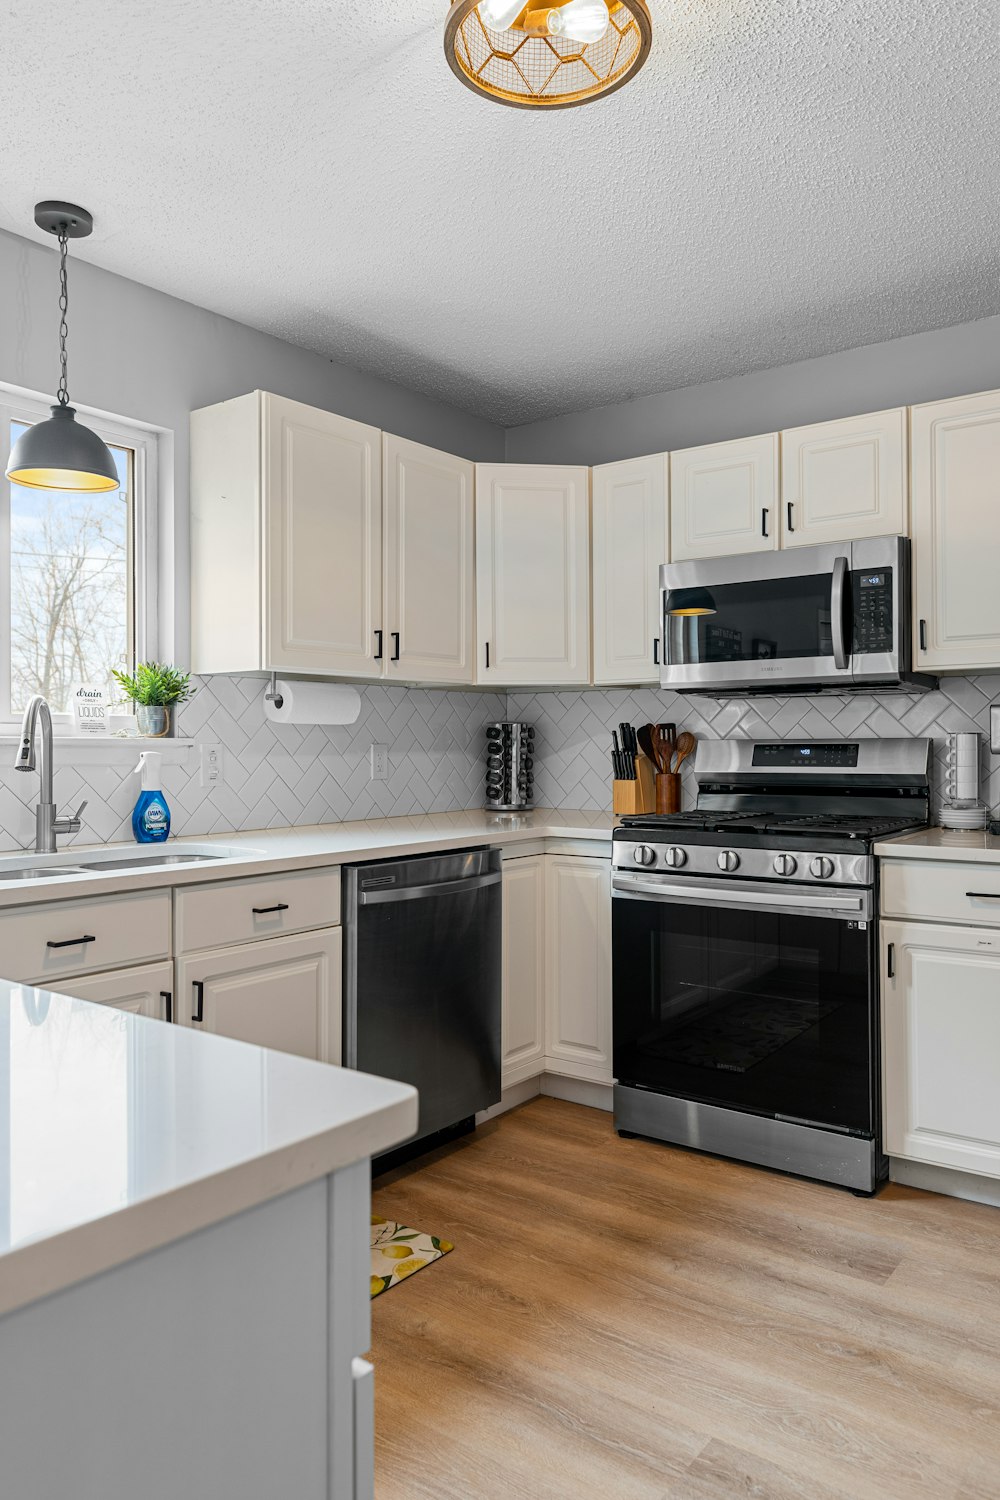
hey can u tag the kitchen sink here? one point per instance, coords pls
(37, 868)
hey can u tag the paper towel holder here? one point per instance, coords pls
(272, 695)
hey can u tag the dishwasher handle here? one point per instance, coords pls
(435, 888)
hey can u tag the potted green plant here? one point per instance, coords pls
(154, 689)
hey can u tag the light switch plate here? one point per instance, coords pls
(210, 764)
(380, 762)
(995, 728)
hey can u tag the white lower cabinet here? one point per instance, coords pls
(283, 993)
(145, 992)
(941, 1045)
(523, 991)
(578, 966)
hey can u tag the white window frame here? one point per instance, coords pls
(20, 406)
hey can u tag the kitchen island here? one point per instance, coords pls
(183, 1260)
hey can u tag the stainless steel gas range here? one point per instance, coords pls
(746, 1019)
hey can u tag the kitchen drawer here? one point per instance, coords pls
(110, 932)
(934, 891)
(237, 911)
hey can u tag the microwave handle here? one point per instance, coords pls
(837, 591)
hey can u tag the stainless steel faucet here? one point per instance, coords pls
(47, 825)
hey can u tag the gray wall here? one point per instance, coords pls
(138, 353)
(923, 367)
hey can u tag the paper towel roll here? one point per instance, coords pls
(313, 703)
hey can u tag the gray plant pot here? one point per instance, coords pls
(153, 719)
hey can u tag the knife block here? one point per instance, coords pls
(638, 796)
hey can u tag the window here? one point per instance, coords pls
(73, 570)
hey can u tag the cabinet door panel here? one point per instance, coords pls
(956, 532)
(532, 574)
(145, 992)
(523, 1014)
(282, 993)
(630, 542)
(323, 499)
(429, 562)
(941, 1022)
(847, 479)
(723, 498)
(578, 966)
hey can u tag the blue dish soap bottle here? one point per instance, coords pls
(151, 815)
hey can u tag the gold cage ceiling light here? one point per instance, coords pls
(550, 58)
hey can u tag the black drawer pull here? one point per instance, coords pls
(88, 937)
(656, 651)
(168, 1005)
(983, 895)
(263, 911)
(395, 645)
(790, 526)
(199, 995)
(923, 635)
(890, 961)
(763, 521)
(378, 653)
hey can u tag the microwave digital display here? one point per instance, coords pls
(872, 600)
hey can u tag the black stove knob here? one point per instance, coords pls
(675, 857)
(821, 867)
(728, 860)
(785, 864)
(644, 855)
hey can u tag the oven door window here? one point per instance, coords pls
(774, 619)
(749, 1010)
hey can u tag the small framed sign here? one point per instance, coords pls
(89, 707)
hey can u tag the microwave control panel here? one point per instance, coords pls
(871, 592)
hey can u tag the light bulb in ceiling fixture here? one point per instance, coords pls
(580, 21)
(498, 15)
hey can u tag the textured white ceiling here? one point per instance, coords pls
(785, 178)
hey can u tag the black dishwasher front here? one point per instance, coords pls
(422, 979)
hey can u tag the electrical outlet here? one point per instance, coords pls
(995, 728)
(380, 763)
(210, 765)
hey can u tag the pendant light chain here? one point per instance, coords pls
(63, 393)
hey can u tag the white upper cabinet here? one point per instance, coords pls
(532, 575)
(323, 574)
(286, 539)
(955, 506)
(847, 479)
(428, 526)
(631, 538)
(724, 498)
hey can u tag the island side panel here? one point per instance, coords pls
(201, 1369)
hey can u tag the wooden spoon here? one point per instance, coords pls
(685, 744)
(644, 734)
(666, 739)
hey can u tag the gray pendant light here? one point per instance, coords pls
(62, 454)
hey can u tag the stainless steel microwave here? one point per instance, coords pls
(808, 619)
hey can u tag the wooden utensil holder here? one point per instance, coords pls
(668, 792)
(638, 796)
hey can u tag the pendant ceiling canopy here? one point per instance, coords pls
(549, 58)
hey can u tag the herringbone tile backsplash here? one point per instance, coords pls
(276, 776)
(573, 730)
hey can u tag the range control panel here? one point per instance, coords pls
(871, 591)
(805, 754)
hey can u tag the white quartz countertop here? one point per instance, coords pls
(272, 850)
(119, 1134)
(943, 844)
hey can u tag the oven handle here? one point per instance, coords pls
(853, 905)
(837, 589)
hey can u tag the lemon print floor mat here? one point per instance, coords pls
(398, 1252)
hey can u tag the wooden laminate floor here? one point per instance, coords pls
(629, 1321)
